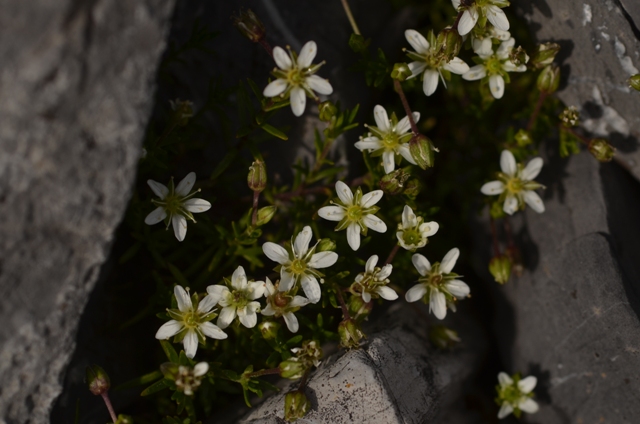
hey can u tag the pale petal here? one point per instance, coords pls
(374, 223)
(217, 292)
(179, 223)
(319, 85)
(206, 304)
(353, 236)
(449, 260)
(256, 289)
(247, 317)
(404, 125)
(496, 85)
(457, 66)
(458, 288)
(532, 199)
(456, 3)
(384, 272)
(269, 287)
(504, 379)
(196, 205)
(227, 315)
(492, 188)
(190, 343)
(430, 82)
(183, 299)
(200, 369)
(282, 58)
(403, 149)
(528, 405)
(344, 193)
(298, 301)
(239, 279)
(275, 252)
(169, 329)
(408, 217)
(417, 41)
(323, 260)
(483, 47)
(160, 190)
(526, 385)
(468, 20)
(369, 143)
(298, 101)
(311, 287)
(268, 310)
(381, 118)
(371, 264)
(475, 73)
(371, 198)
(156, 216)
(307, 54)
(366, 297)
(432, 227)
(388, 161)
(438, 304)
(508, 163)
(422, 264)
(505, 48)
(331, 213)
(497, 17)
(505, 410)
(291, 321)
(417, 68)
(386, 293)
(415, 293)
(510, 205)
(212, 331)
(532, 169)
(287, 280)
(301, 243)
(184, 187)
(275, 88)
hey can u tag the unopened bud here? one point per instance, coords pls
(394, 182)
(449, 43)
(443, 337)
(124, 419)
(249, 25)
(401, 71)
(182, 111)
(544, 55)
(327, 110)
(523, 138)
(358, 308)
(326, 245)
(519, 56)
(634, 82)
(296, 405)
(257, 178)
(265, 214)
(500, 268)
(549, 79)
(601, 149)
(570, 117)
(413, 188)
(269, 329)
(97, 380)
(358, 43)
(421, 150)
(350, 334)
(292, 369)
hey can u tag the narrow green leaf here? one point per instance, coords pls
(177, 274)
(274, 131)
(139, 381)
(224, 164)
(154, 388)
(171, 353)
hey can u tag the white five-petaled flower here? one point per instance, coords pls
(494, 66)
(372, 283)
(283, 305)
(429, 62)
(190, 323)
(515, 184)
(239, 301)
(300, 264)
(514, 395)
(188, 379)
(296, 78)
(176, 204)
(438, 284)
(413, 231)
(355, 213)
(491, 9)
(389, 138)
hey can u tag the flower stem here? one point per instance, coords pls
(343, 305)
(107, 401)
(398, 87)
(536, 111)
(303, 380)
(265, 44)
(507, 229)
(352, 21)
(455, 23)
(254, 217)
(392, 254)
(260, 373)
(580, 137)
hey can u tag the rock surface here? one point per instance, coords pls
(75, 95)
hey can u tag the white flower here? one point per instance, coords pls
(491, 9)
(514, 395)
(296, 78)
(413, 232)
(429, 62)
(239, 300)
(188, 379)
(494, 66)
(438, 284)
(372, 283)
(515, 184)
(190, 323)
(355, 213)
(283, 305)
(300, 264)
(389, 139)
(176, 204)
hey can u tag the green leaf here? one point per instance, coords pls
(154, 388)
(293, 341)
(274, 131)
(224, 164)
(177, 274)
(139, 381)
(216, 259)
(171, 353)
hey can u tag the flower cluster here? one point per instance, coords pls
(515, 395)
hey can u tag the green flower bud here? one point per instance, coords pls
(350, 334)
(249, 25)
(97, 380)
(169, 370)
(265, 214)
(413, 188)
(570, 117)
(519, 56)
(358, 308)
(449, 43)
(182, 111)
(327, 110)
(523, 138)
(544, 55)
(326, 245)
(443, 337)
(269, 329)
(500, 268)
(394, 183)
(358, 43)
(296, 405)
(634, 82)
(601, 149)
(124, 419)
(401, 72)
(422, 150)
(292, 369)
(257, 178)
(549, 79)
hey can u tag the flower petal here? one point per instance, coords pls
(387, 293)
(169, 329)
(323, 260)
(247, 317)
(456, 3)
(449, 260)
(156, 216)
(381, 118)
(200, 369)
(291, 321)
(508, 163)
(268, 310)
(483, 47)
(298, 101)
(307, 54)
(403, 149)
(227, 315)
(408, 217)
(344, 193)
(319, 85)
(239, 279)
(468, 20)
(190, 343)
(504, 379)
(532, 169)
(369, 143)
(371, 198)
(256, 289)
(415, 293)
(196, 205)
(430, 82)
(353, 236)
(417, 68)
(374, 223)
(160, 190)
(287, 281)
(206, 304)
(417, 41)
(510, 205)
(179, 223)
(186, 184)
(275, 88)
(532, 199)
(370, 266)
(384, 272)
(183, 299)
(405, 125)
(366, 297)
(438, 304)
(311, 287)
(212, 331)
(496, 16)
(275, 252)
(458, 288)
(457, 66)
(388, 161)
(282, 58)
(422, 264)
(475, 73)
(301, 244)
(496, 85)
(331, 213)
(217, 292)
(505, 410)
(528, 405)
(298, 301)
(492, 188)
(526, 385)
(432, 227)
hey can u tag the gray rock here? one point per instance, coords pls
(75, 94)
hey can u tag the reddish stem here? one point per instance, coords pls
(455, 24)
(264, 372)
(107, 401)
(536, 111)
(265, 44)
(407, 108)
(392, 254)
(343, 305)
(254, 217)
(582, 138)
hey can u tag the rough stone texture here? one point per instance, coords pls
(398, 377)
(572, 319)
(600, 42)
(75, 94)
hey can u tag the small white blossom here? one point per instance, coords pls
(491, 9)
(515, 184)
(494, 66)
(296, 78)
(283, 305)
(372, 283)
(355, 213)
(239, 301)
(413, 232)
(190, 323)
(389, 138)
(300, 264)
(438, 285)
(188, 379)
(514, 395)
(429, 62)
(176, 204)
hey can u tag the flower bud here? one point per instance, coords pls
(634, 82)
(249, 25)
(544, 55)
(358, 43)
(601, 149)
(257, 178)
(292, 369)
(358, 308)
(182, 111)
(549, 79)
(523, 138)
(449, 43)
(500, 268)
(124, 419)
(350, 334)
(421, 150)
(518, 56)
(265, 214)
(394, 182)
(570, 117)
(326, 245)
(401, 71)
(97, 380)
(443, 337)
(269, 329)
(412, 188)
(296, 405)
(327, 110)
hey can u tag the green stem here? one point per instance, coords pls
(352, 21)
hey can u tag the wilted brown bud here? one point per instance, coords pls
(249, 25)
(394, 183)
(257, 178)
(97, 380)
(544, 55)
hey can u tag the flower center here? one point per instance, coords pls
(172, 204)
(298, 266)
(280, 300)
(514, 185)
(435, 279)
(411, 236)
(239, 298)
(191, 319)
(390, 140)
(354, 213)
(295, 77)
(493, 66)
